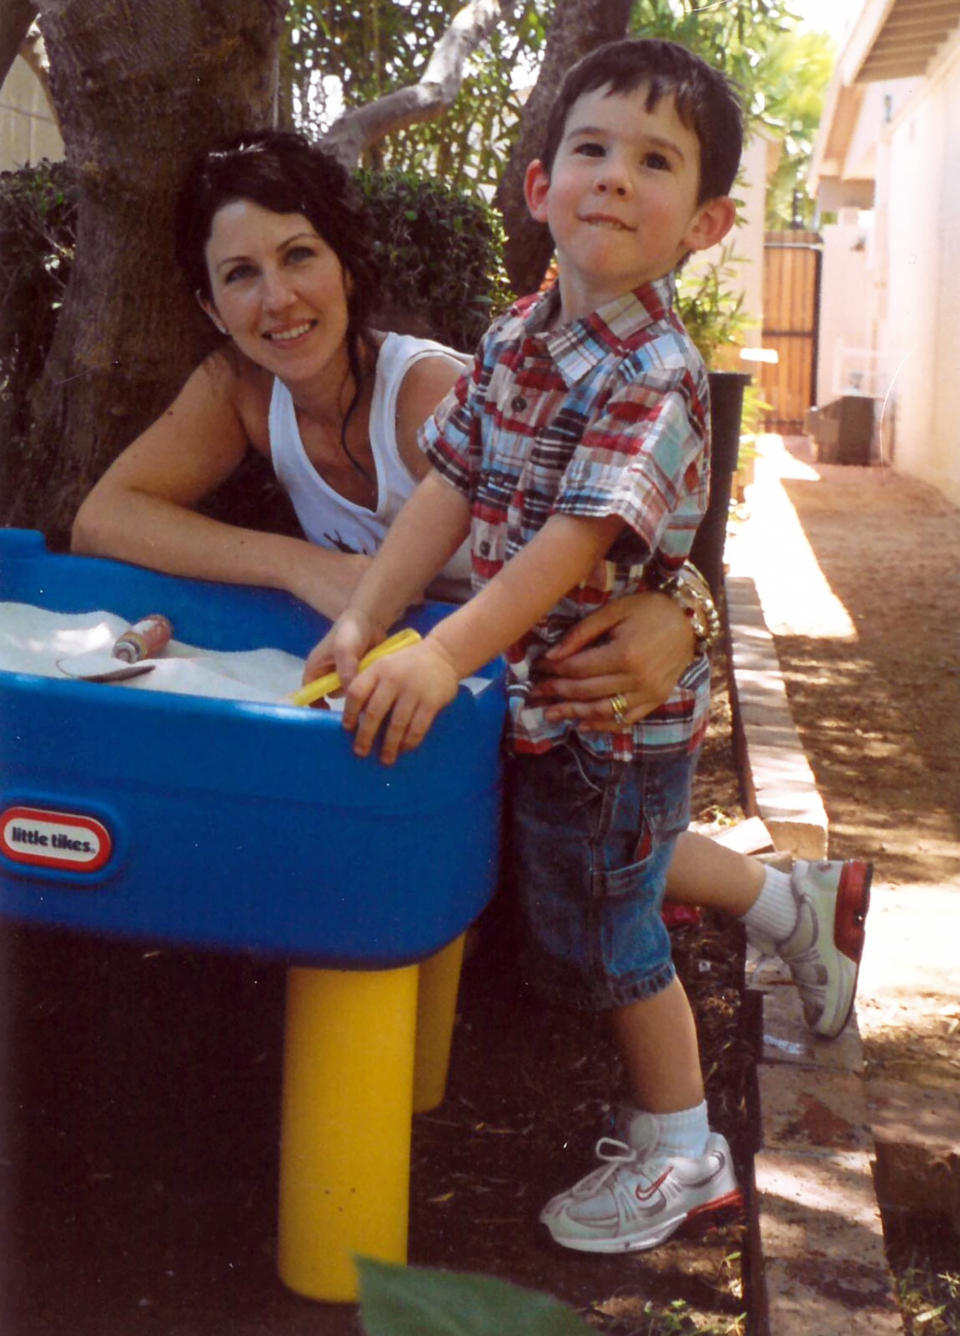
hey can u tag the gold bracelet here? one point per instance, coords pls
(690, 591)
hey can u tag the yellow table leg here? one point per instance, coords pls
(345, 1133)
(436, 1013)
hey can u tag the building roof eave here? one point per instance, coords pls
(897, 39)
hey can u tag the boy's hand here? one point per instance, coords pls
(412, 686)
(342, 648)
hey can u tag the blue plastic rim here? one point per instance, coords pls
(226, 824)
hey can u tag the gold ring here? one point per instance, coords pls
(618, 705)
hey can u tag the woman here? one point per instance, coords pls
(275, 245)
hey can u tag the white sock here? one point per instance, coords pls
(773, 914)
(683, 1133)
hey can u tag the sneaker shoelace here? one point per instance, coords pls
(617, 1155)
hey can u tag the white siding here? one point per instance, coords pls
(921, 196)
(27, 129)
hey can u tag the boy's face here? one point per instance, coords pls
(621, 200)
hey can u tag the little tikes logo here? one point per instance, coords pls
(46, 838)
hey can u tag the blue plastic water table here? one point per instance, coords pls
(242, 826)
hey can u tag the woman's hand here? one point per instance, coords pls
(412, 686)
(636, 647)
(342, 648)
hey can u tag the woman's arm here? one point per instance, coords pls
(142, 509)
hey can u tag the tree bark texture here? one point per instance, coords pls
(578, 26)
(140, 90)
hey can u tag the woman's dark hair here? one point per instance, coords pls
(281, 171)
(706, 101)
(285, 173)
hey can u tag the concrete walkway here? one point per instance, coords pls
(831, 1135)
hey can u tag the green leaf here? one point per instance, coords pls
(415, 1301)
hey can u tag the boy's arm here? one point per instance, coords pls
(555, 561)
(414, 684)
(429, 528)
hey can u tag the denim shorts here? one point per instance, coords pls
(589, 844)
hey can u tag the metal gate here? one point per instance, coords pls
(791, 307)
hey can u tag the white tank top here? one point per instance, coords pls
(331, 520)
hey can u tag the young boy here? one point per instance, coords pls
(576, 453)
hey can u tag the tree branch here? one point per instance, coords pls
(359, 127)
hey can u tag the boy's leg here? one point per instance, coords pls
(705, 873)
(664, 1167)
(657, 1040)
(593, 840)
(812, 917)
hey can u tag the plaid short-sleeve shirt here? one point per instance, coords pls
(605, 416)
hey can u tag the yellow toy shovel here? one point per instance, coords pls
(322, 686)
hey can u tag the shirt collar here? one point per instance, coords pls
(619, 326)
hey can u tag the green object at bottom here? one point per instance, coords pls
(415, 1301)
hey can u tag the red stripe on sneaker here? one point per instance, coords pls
(730, 1199)
(853, 898)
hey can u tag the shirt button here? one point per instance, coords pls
(518, 404)
(484, 549)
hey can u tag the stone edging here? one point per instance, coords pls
(817, 1264)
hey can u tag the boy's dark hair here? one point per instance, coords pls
(286, 173)
(706, 101)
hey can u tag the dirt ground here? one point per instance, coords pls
(139, 1148)
(880, 715)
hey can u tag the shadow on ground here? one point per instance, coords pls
(139, 1159)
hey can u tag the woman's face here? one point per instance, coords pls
(278, 290)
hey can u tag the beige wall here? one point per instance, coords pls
(27, 129)
(896, 295)
(847, 361)
(748, 237)
(920, 199)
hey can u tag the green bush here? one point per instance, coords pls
(37, 220)
(440, 255)
(710, 304)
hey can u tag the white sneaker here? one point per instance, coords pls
(638, 1198)
(823, 951)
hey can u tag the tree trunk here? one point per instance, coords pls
(140, 89)
(578, 26)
